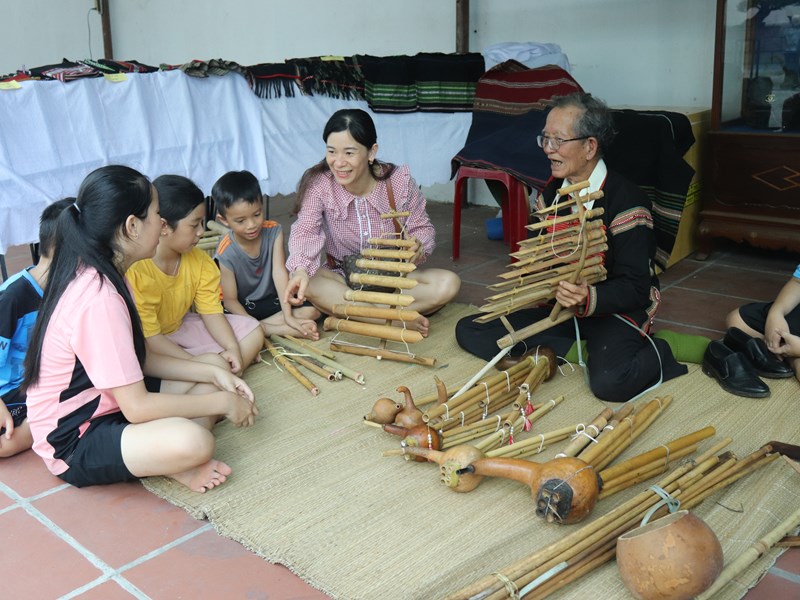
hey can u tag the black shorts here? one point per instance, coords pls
(152, 384)
(261, 309)
(755, 316)
(97, 458)
(15, 403)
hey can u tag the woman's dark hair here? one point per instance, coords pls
(595, 121)
(360, 125)
(233, 187)
(86, 234)
(47, 225)
(177, 197)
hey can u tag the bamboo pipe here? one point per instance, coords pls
(345, 371)
(395, 214)
(307, 346)
(657, 453)
(396, 242)
(541, 286)
(640, 424)
(545, 277)
(401, 283)
(322, 357)
(375, 312)
(291, 369)
(386, 265)
(573, 278)
(383, 353)
(396, 334)
(217, 227)
(536, 264)
(644, 473)
(384, 253)
(378, 297)
(566, 236)
(575, 187)
(581, 440)
(314, 368)
(610, 438)
(541, 369)
(526, 332)
(477, 409)
(477, 388)
(583, 198)
(531, 445)
(590, 214)
(749, 556)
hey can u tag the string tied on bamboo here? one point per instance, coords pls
(666, 458)
(499, 422)
(508, 381)
(672, 503)
(488, 400)
(511, 587)
(462, 418)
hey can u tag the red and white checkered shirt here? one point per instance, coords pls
(332, 221)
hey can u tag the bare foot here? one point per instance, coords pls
(421, 324)
(309, 327)
(796, 367)
(204, 477)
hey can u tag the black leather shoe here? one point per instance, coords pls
(755, 351)
(733, 372)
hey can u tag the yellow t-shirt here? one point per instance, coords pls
(163, 300)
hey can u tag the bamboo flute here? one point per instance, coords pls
(619, 425)
(537, 374)
(314, 368)
(750, 555)
(581, 439)
(467, 433)
(495, 439)
(293, 344)
(657, 455)
(643, 473)
(302, 345)
(458, 399)
(476, 411)
(290, 368)
(532, 445)
(641, 422)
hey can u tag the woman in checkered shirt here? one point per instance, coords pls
(340, 202)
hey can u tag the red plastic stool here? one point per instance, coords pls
(514, 206)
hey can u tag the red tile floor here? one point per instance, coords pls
(120, 541)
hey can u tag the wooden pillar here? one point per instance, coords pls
(462, 26)
(105, 19)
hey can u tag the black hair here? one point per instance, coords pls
(595, 120)
(87, 234)
(47, 225)
(360, 125)
(233, 187)
(177, 197)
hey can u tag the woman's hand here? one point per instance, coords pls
(241, 412)
(228, 382)
(295, 293)
(571, 294)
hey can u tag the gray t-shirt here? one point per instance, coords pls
(253, 275)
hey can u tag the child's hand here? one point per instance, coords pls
(790, 346)
(241, 412)
(307, 328)
(295, 293)
(234, 358)
(228, 382)
(772, 328)
(6, 421)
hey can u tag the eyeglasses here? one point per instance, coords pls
(555, 142)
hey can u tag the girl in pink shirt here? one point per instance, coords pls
(100, 408)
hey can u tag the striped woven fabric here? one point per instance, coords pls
(433, 82)
(511, 88)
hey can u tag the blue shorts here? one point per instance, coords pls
(15, 403)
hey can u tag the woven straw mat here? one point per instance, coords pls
(311, 490)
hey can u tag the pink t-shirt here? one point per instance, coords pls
(87, 351)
